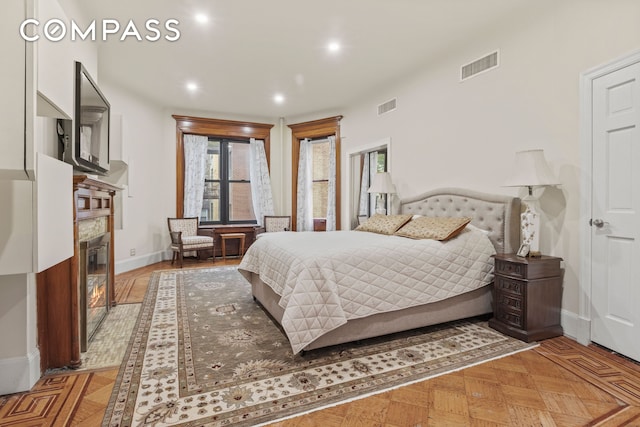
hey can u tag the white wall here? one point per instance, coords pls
(148, 199)
(448, 133)
(56, 67)
(19, 356)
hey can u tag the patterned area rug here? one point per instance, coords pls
(204, 353)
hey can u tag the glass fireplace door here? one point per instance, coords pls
(94, 279)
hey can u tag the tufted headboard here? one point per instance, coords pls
(498, 214)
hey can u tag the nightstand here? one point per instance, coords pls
(527, 296)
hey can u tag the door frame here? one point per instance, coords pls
(371, 146)
(586, 187)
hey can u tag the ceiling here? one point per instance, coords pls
(250, 50)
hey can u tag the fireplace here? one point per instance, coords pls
(94, 286)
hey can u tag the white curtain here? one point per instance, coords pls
(331, 192)
(195, 165)
(364, 186)
(304, 211)
(261, 193)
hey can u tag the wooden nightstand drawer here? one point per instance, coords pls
(512, 319)
(507, 285)
(508, 301)
(526, 268)
(510, 268)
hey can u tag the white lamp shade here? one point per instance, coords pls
(382, 184)
(530, 169)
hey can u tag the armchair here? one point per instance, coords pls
(275, 223)
(185, 238)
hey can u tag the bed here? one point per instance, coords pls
(315, 284)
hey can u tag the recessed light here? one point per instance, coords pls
(202, 18)
(333, 47)
(192, 87)
(278, 98)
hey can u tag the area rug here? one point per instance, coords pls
(204, 353)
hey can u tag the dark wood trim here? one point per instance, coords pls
(313, 129)
(42, 313)
(99, 196)
(58, 293)
(213, 127)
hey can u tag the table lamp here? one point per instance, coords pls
(382, 185)
(531, 170)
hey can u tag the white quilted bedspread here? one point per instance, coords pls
(324, 279)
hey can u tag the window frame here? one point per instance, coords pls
(315, 129)
(354, 174)
(216, 128)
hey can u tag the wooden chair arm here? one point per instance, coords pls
(176, 237)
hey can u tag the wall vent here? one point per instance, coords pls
(386, 107)
(478, 66)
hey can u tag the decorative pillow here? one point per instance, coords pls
(437, 228)
(384, 224)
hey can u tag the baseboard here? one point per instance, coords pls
(584, 331)
(569, 322)
(19, 374)
(141, 261)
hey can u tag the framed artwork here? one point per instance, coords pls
(523, 251)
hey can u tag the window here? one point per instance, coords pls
(227, 191)
(235, 134)
(316, 130)
(320, 176)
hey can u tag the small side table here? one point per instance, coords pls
(227, 236)
(527, 297)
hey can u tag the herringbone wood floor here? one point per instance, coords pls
(559, 383)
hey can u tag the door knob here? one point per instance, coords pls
(597, 222)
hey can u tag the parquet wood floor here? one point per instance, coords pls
(559, 383)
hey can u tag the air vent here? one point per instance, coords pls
(387, 106)
(479, 66)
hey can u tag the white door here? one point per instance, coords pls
(615, 221)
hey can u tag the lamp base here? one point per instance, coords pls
(380, 207)
(530, 225)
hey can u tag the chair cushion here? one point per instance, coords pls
(195, 242)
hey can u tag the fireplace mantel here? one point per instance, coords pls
(58, 293)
